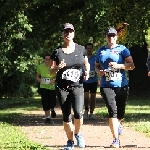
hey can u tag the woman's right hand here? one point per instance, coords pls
(101, 72)
(62, 64)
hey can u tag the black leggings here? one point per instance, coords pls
(48, 99)
(90, 87)
(71, 98)
(115, 100)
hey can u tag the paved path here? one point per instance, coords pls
(96, 133)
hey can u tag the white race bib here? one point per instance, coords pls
(113, 74)
(92, 74)
(71, 74)
(45, 81)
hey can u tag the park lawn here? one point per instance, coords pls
(11, 138)
(137, 116)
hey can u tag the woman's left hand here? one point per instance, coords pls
(52, 81)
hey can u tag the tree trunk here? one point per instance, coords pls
(139, 82)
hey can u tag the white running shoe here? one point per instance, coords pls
(91, 116)
(85, 115)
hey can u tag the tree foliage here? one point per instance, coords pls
(30, 28)
(15, 48)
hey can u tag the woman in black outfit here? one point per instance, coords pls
(67, 62)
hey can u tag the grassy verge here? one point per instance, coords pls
(137, 115)
(11, 137)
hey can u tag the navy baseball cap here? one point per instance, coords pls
(67, 26)
(111, 30)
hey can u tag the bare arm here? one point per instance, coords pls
(86, 68)
(38, 77)
(86, 64)
(148, 65)
(129, 65)
(54, 68)
(98, 69)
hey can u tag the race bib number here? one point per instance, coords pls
(45, 81)
(113, 75)
(72, 75)
(92, 74)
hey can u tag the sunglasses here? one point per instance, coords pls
(68, 31)
(111, 35)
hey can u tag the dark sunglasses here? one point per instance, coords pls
(111, 35)
(68, 31)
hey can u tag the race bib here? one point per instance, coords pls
(92, 74)
(45, 81)
(72, 75)
(113, 75)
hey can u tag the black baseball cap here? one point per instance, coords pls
(67, 26)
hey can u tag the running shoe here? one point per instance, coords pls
(80, 140)
(91, 116)
(70, 145)
(115, 143)
(53, 114)
(85, 115)
(47, 120)
(120, 129)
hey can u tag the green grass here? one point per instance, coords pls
(11, 137)
(137, 116)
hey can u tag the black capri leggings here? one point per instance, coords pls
(115, 100)
(92, 87)
(72, 98)
(48, 99)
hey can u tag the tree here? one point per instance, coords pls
(31, 28)
(15, 47)
(113, 13)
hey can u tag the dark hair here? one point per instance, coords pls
(89, 44)
(46, 55)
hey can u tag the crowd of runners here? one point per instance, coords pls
(72, 73)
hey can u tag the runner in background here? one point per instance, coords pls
(90, 85)
(111, 62)
(47, 89)
(148, 65)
